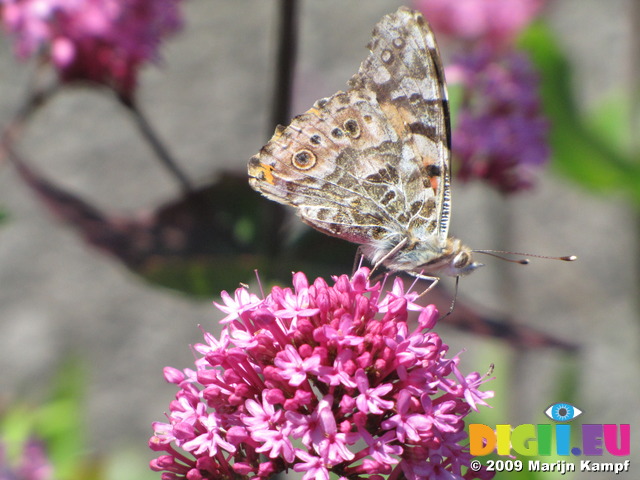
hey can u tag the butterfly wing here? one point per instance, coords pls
(329, 162)
(370, 165)
(405, 72)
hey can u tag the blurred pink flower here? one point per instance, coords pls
(34, 463)
(333, 381)
(495, 22)
(501, 134)
(102, 41)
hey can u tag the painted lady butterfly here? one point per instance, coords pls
(372, 165)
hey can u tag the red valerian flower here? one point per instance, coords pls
(320, 379)
(102, 41)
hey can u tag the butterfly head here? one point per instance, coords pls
(456, 259)
(452, 259)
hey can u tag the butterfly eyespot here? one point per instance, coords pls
(315, 139)
(337, 133)
(367, 118)
(304, 159)
(461, 260)
(398, 42)
(386, 56)
(321, 103)
(352, 128)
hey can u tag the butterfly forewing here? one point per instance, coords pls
(405, 72)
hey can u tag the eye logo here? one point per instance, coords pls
(562, 412)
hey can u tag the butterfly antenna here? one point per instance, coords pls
(523, 261)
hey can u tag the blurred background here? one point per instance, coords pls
(110, 320)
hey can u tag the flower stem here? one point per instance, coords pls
(271, 214)
(159, 148)
(285, 62)
(37, 97)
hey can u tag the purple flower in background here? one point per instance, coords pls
(102, 41)
(501, 131)
(33, 463)
(492, 22)
(320, 379)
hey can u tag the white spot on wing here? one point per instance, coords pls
(381, 75)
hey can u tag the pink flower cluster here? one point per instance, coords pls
(320, 379)
(492, 22)
(103, 41)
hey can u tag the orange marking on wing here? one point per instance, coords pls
(266, 171)
(434, 180)
(313, 111)
(396, 117)
(435, 183)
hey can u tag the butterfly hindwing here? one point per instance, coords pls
(321, 163)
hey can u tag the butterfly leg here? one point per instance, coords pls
(434, 281)
(388, 255)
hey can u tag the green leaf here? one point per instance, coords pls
(128, 463)
(57, 423)
(581, 151)
(60, 420)
(611, 120)
(456, 94)
(4, 216)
